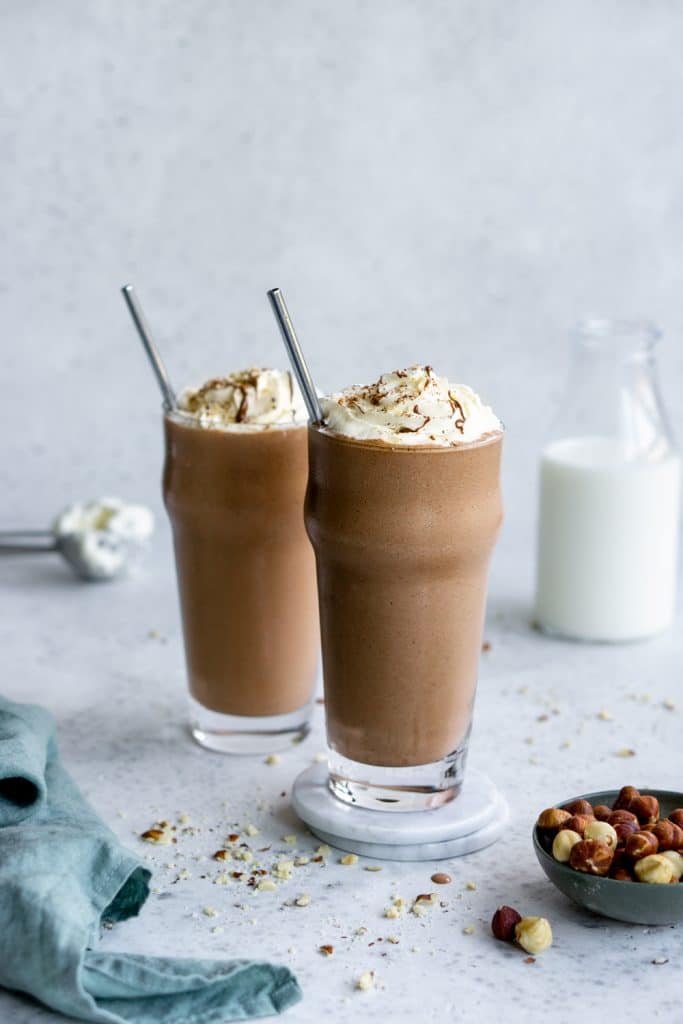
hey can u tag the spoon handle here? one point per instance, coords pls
(27, 541)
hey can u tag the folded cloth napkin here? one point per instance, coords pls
(63, 874)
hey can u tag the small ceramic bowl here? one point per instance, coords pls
(635, 902)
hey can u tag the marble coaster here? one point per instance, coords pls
(475, 819)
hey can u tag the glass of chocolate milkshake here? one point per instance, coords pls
(403, 508)
(234, 484)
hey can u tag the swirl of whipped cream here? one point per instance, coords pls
(255, 397)
(410, 407)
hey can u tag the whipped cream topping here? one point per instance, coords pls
(410, 407)
(255, 397)
(101, 539)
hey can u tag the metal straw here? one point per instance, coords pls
(296, 356)
(155, 359)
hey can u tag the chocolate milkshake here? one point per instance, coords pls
(234, 483)
(403, 509)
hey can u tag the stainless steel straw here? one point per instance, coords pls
(150, 348)
(296, 356)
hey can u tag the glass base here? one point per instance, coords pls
(420, 787)
(242, 734)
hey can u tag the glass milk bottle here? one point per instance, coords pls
(609, 494)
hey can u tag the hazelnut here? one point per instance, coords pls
(592, 856)
(624, 829)
(534, 934)
(603, 831)
(579, 807)
(563, 842)
(669, 835)
(625, 797)
(677, 817)
(646, 809)
(578, 822)
(602, 812)
(676, 860)
(641, 844)
(621, 875)
(655, 869)
(504, 922)
(617, 816)
(551, 819)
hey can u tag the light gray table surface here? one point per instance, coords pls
(108, 660)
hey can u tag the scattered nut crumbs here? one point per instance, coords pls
(184, 819)
(222, 855)
(300, 861)
(626, 752)
(361, 931)
(392, 912)
(283, 869)
(233, 837)
(210, 912)
(393, 939)
(348, 859)
(303, 900)
(471, 886)
(251, 830)
(272, 759)
(366, 981)
(243, 854)
(418, 910)
(267, 885)
(605, 716)
(469, 929)
(326, 950)
(161, 833)
(323, 851)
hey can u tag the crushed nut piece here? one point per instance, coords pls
(471, 886)
(267, 885)
(362, 930)
(323, 851)
(326, 950)
(626, 752)
(348, 859)
(303, 900)
(605, 716)
(161, 833)
(392, 912)
(418, 909)
(669, 705)
(289, 839)
(300, 861)
(272, 759)
(469, 929)
(210, 912)
(319, 758)
(243, 854)
(366, 981)
(233, 837)
(184, 819)
(283, 869)
(251, 830)
(659, 960)
(222, 855)
(393, 939)
(372, 867)
(217, 929)
(224, 879)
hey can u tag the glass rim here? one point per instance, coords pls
(641, 333)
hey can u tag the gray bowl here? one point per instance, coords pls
(635, 902)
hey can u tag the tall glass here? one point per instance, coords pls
(609, 493)
(402, 537)
(246, 578)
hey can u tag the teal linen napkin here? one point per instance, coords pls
(62, 874)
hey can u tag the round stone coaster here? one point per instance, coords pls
(475, 819)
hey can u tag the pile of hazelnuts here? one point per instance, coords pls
(628, 842)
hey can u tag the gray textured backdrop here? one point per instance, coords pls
(453, 182)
